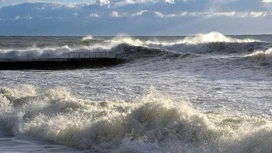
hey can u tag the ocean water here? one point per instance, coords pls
(207, 93)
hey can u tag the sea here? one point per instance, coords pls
(205, 93)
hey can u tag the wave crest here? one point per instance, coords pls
(214, 37)
(155, 123)
(87, 38)
(201, 43)
(267, 54)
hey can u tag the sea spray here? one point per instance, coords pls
(202, 43)
(261, 54)
(153, 123)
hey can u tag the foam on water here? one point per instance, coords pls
(259, 54)
(155, 123)
(201, 43)
(87, 38)
(50, 52)
(214, 37)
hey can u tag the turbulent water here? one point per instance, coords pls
(206, 93)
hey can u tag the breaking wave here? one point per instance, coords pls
(201, 43)
(213, 37)
(267, 54)
(133, 48)
(155, 123)
(49, 52)
(262, 58)
(87, 38)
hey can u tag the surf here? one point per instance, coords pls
(213, 42)
(153, 123)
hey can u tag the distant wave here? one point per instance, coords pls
(153, 124)
(260, 54)
(127, 51)
(213, 37)
(36, 53)
(87, 38)
(262, 58)
(133, 48)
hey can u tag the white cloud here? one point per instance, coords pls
(253, 14)
(214, 14)
(128, 2)
(18, 17)
(159, 14)
(257, 14)
(170, 1)
(104, 3)
(115, 14)
(222, 14)
(267, 1)
(139, 13)
(58, 4)
(93, 15)
(70, 5)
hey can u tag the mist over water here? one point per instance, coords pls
(203, 93)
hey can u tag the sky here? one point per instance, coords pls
(134, 17)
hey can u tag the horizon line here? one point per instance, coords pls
(13, 35)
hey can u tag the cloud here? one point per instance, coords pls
(18, 17)
(93, 15)
(256, 14)
(267, 1)
(214, 14)
(57, 4)
(170, 1)
(69, 5)
(104, 3)
(130, 2)
(139, 13)
(157, 16)
(161, 15)
(115, 14)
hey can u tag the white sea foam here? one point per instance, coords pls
(260, 54)
(153, 124)
(87, 38)
(36, 53)
(201, 43)
(214, 37)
